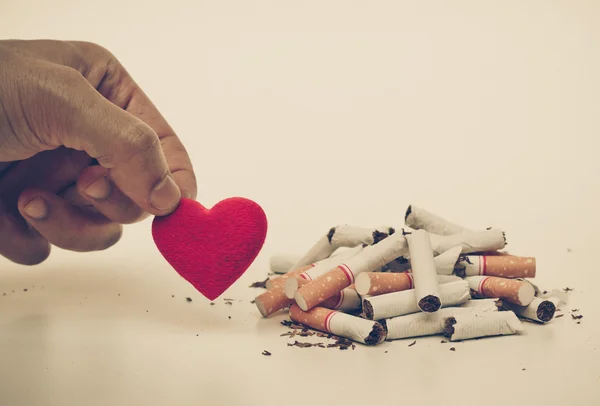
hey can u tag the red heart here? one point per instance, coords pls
(211, 248)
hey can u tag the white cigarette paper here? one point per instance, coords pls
(337, 237)
(426, 324)
(320, 268)
(349, 301)
(405, 302)
(420, 219)
(446, 261)
(469, 241)
(282, 263)
(481, 324)
(424, 271)
(540, 310)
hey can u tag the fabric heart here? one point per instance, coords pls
(211, 248)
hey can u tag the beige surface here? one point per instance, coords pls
(328, 112)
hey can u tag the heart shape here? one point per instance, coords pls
(211, 248)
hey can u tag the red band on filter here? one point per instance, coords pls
(412, 281)
(348, 272)
(328, 321)
(483, 264)
(305, 276)
(480, 288)
(339, 303)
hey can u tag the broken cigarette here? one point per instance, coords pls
(426, 324)
(338, 237)
(380, 283)
(469, 241)
(291, 285)
(418, 218)
(344, 275)
(427, 291)
(446, 261)
(517, 291)
(340, 324)
(505, 266)
(464, 326)
(405, 302)
(540, 310)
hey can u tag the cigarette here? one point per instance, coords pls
(424, 271)
(380, 283)
(540, 310)
(344, 275)
(426, 324)
(420, 219)
(322, 267)
(517, 291)
(340, 324)
(464, 326)
(338, 237)
(346, 300)
(282, 263)
(405, 302)
(469, 241)
(505, 266)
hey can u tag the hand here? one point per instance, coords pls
(82, 151)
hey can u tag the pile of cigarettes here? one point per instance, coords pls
(432, 278)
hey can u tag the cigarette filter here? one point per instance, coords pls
(344, 275)
(405, 302)
(426, 324)
(424, 271)
(516, 291)
(322, 267)
(418, 218)
(469, 241)
(341, 324)
(504, 266)
(337, 237)
(380, 283)
(272, 301)
(464, 326)
(540, 310)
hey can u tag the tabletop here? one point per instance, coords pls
(327, 113)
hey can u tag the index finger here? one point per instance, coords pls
(117, 86)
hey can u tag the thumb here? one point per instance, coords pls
(126, 146)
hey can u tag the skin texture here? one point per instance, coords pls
(82, 151)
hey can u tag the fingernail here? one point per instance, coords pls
(99, 189)
(36, 209)
(165, 195)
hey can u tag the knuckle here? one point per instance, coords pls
(138, 140)
(141, 139)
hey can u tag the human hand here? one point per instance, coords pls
(82, 151)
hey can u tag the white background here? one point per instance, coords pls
(329, 112)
